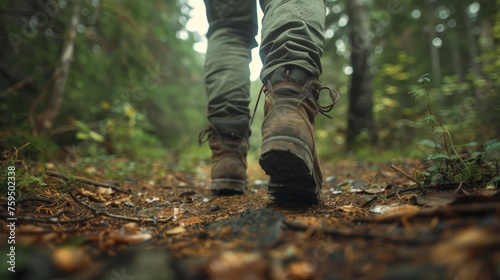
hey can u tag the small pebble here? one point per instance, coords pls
(128, 204)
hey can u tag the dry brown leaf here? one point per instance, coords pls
(103, 190)
(70, 259)
(176, 230)
(300, 270)
(91, 195)
(347, 208)
(436, 199)
(237, 265)
(190, 221)
(130, 234)
(394, 210)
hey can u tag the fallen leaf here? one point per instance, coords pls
(364, 200)
(130, 234)
(91, 196)
(176, 230)
(70, 259)
(190, 221)
(102, 190)
(389, 210)
(151, 200)
(300, 270)
(237, 265)
(435, 199)
(347, 208)
(374, 189)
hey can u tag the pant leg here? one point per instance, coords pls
(231, 36)
(292, 34)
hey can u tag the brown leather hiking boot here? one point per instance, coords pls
(229, 163)
(289, 153)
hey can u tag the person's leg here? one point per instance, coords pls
(292, 35)
(231, 36)
(292, 42)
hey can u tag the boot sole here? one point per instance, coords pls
(290, 164)
(228, 186)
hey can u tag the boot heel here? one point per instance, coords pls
(287, 159)
(289, 163)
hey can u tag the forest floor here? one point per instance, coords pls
(114, 219)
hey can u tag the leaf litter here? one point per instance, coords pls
(375, 223)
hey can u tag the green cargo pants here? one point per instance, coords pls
(292, 34)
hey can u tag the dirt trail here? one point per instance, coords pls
(166, 224)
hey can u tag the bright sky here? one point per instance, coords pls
(198, 23)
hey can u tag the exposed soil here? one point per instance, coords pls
(166, 224)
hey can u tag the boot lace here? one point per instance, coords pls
(204, 135)
(334, 95)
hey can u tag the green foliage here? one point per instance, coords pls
(473, 168)
(466, 87)
(86, 133)
(449, 165)
(139, 54)
(33, 146)
(124, 133)
(127, 53)
(25, 181)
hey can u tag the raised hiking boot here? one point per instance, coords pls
(229, 163)
(289, 153)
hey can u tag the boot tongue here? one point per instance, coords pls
(291, 73)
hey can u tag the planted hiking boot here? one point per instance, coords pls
(229, 162)
(289, 153)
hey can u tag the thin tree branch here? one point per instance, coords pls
(99, 212)
(405, 174)
(87, 181)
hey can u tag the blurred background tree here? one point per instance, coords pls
(134, 77)
(456, 42)
(124, 75)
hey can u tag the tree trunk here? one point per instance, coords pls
(471, 40)
(436, 75)
(55, 87)
(360, 113)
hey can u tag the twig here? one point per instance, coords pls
(99, 212)
(459, 188)
(452, 186)
(405, 174)
(96, 213)
(87, 180)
